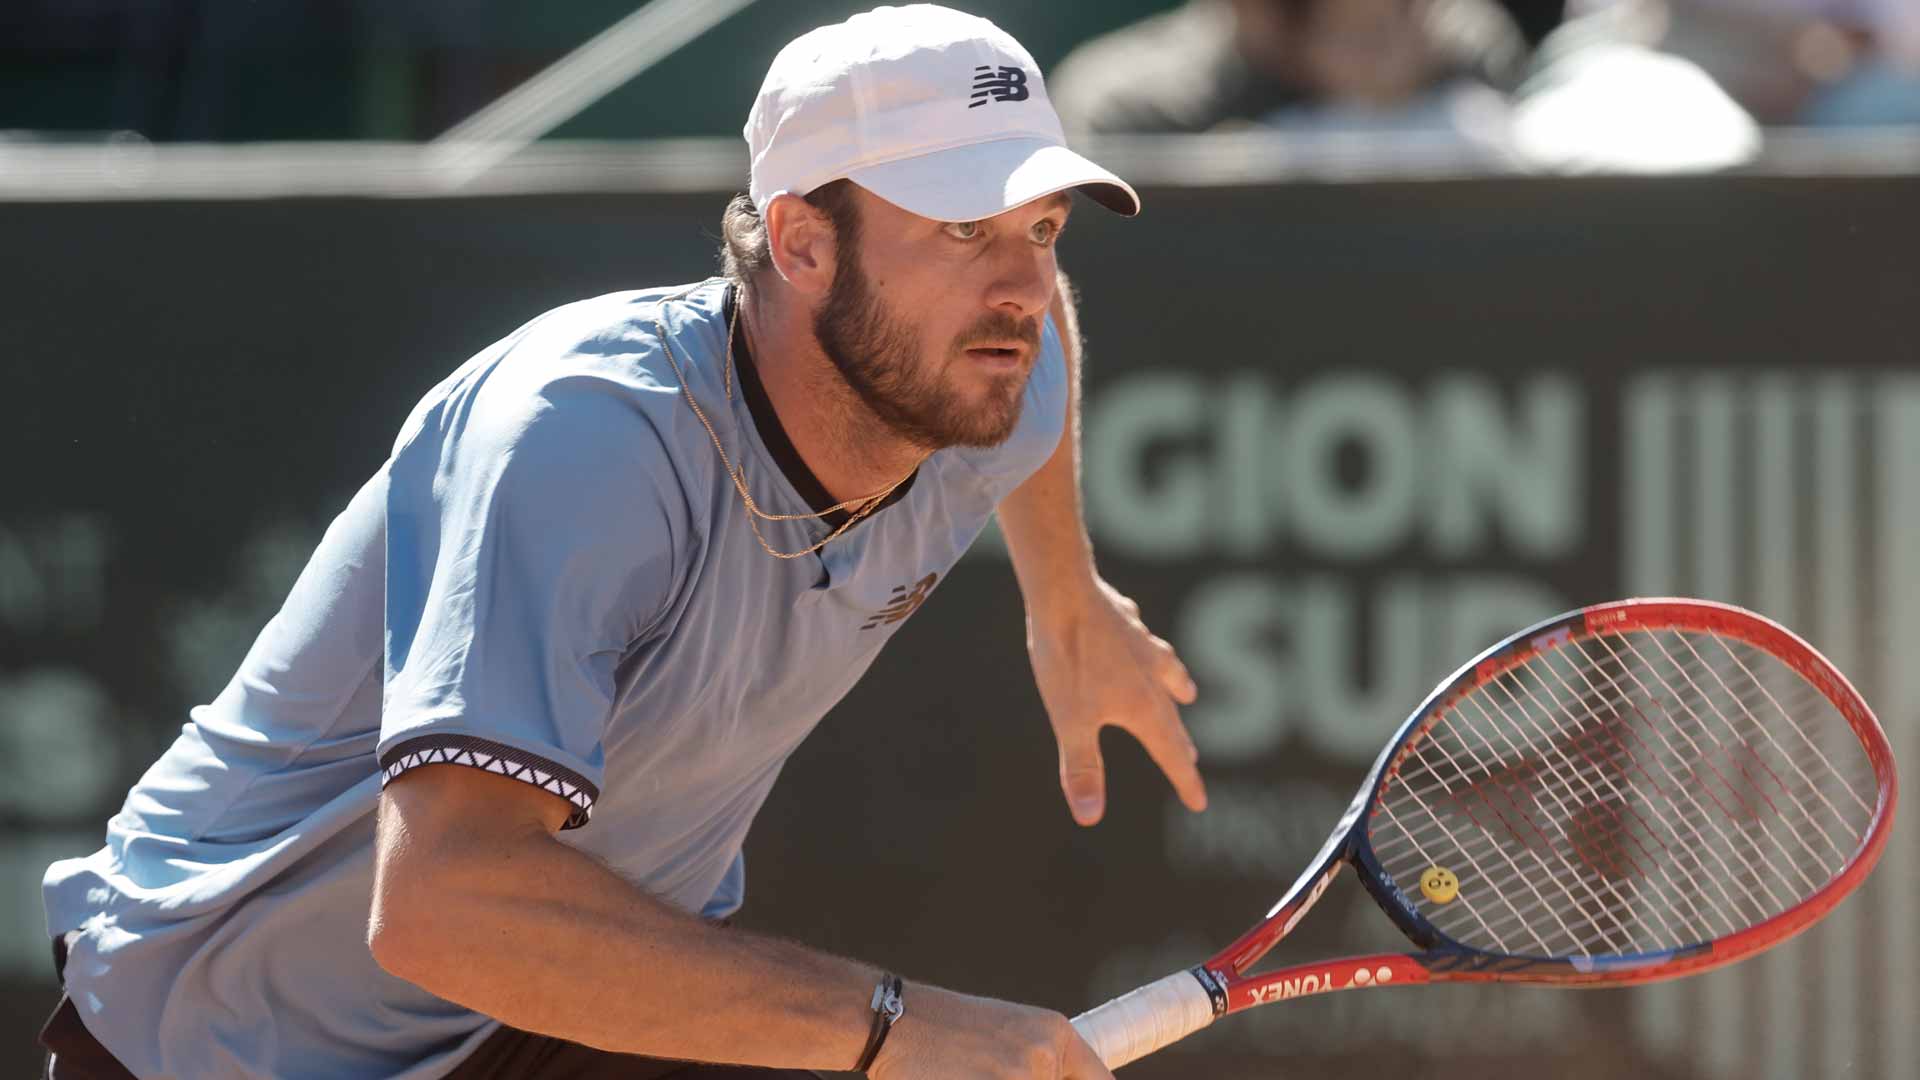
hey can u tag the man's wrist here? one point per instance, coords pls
(888, 1005)
(1063, 599)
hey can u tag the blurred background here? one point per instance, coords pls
(1444, 315)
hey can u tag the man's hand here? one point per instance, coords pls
(1096, 663)
(949, 1036)
(1100, 665)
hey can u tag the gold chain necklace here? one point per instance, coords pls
(856, 508)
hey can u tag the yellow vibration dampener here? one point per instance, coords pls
(1439, 884)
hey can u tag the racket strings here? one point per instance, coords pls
(1576, 891)
(1582, 895)
(1762, 788)
(1750, 778)
(1575, 784)
(1768, 730)
(1736, 789)
(1625, 793)
(1592, 836)
(1691, 793)
(1691, 811)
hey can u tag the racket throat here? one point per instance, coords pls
(1238, 958)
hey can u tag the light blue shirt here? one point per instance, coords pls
(551, 577)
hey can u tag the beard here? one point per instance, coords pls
(878, 355)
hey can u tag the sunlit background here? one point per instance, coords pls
(1442, 317)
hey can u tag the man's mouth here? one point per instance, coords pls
(997, 355)
(997, 358)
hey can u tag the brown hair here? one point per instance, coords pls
(744, 250)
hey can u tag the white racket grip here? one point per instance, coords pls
(1141, 1021)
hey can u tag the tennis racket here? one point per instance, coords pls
(1626, 793)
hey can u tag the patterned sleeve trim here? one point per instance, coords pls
(509, 761)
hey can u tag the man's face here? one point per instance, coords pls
(936, 325)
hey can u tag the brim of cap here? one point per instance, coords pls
(974, 182)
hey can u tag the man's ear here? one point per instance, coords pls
(801, 241)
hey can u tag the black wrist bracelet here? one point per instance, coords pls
(887, 1008)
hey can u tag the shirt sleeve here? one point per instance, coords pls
(533, 537)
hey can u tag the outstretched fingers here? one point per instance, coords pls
(1083, 776)
(1172, 749)
(1172, 672)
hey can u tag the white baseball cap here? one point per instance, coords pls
(938, 112)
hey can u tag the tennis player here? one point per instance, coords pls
(473, 805)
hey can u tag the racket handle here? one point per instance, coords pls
(1141, 1021)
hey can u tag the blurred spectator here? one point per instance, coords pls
(1590, 95)
(1598, 98)
(1211, 63)
(1822, 62)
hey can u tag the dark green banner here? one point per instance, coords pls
(1337, 439)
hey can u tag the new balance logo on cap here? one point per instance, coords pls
(998, 84)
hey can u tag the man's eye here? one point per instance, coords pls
(963, 230)
(1045, 231)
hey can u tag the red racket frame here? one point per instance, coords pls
(1226, 977)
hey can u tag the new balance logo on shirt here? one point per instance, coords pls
(906, 600)
(998, 84)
